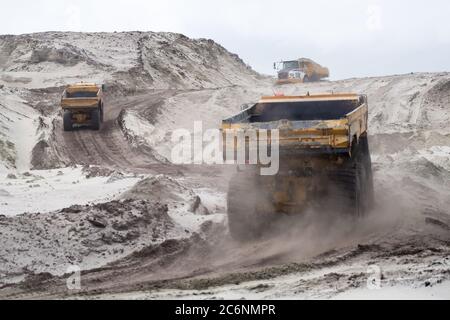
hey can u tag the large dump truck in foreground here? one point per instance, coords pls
(82, 104)
(324, 161)
(300, 71)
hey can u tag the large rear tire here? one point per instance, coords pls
(367, 164)
(67, 121)
(95, 119)
(101, 113)
(345, 191)
(351, 185)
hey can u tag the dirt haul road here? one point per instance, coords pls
(109, 147)
(165, 235)
(405, 242)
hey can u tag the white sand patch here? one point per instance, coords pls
(142, 131)
(439, 155)
(50, 190)
(438, 292)
(18, 126)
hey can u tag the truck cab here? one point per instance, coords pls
(82, 103)
(300, 71)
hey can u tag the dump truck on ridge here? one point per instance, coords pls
(324, 161)
(83, 104)
(300, 71)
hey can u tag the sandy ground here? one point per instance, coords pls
(140, 227)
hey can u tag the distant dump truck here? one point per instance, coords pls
(83, 105)
(324, 162)
(300, 71)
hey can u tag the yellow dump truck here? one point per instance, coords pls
(324, 160)
(82, 104)
(300, 71)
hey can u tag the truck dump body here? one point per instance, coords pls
(82, 104)
(81, 96)
(324, 161)
(312, 121)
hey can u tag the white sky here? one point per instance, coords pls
(351, 37)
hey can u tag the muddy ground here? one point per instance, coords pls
(141, 227)
(320, 258)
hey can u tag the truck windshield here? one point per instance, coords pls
(82, 94)
(290, 65)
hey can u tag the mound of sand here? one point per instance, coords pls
(134, 59)
(162, 188)
(85, 236)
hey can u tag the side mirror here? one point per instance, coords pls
(274, 66)
(103, 87)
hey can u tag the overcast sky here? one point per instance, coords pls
(351, 37)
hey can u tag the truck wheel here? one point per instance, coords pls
(95, 119)
(345, 191)
(67, 121)
(366, 162)
(101, 113)
(248, 212)
(363, 170)
(360, 180)
(349, 188)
